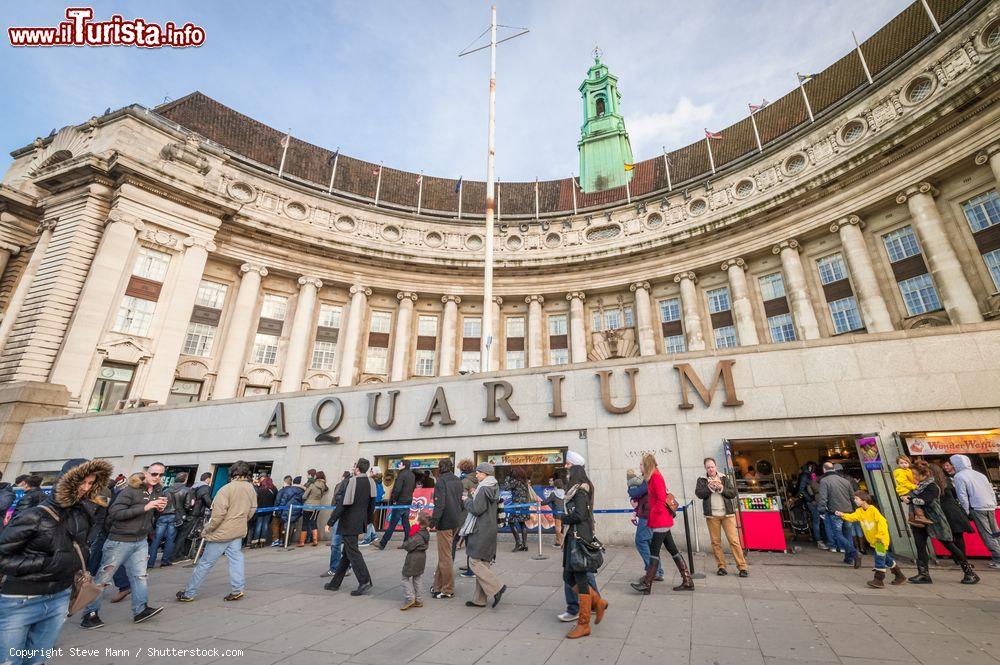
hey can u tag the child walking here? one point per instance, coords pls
(416, 560)
(876, 531)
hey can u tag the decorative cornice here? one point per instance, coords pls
(530, 299)
(498, 300)
(686, 275)
(449, 298)
(13, 250)
(850, 220)
(579, 295)
(253, 267)
(786, 244)
(358, 288)
(47, 225)
(406, 295)
(117, 216)
(310, 280)
(984, 155)
(738, 262)
(913, 190)
(196, 241)
(638, 285)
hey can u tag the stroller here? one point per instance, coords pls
(799, 519)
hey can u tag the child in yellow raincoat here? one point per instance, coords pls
(876, 531)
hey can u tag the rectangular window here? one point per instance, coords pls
(151, 264)
(831, 269)
(323, 354)
(515, 326)
(919, 295)
(381, 322)
(199, 339)
(112, 386)
(274, 307)
(612, 319)
(772, 286)
(674, 344)
(427, 326)
(725, 337)
(329, 315)
(629, 319)
(557, 324)
(982, 211)
(134, 316)
(250, 391)
(670, 310)
(559, 357)
(514, 360)
(597, 320)
(845, 315)
(472, 327)
(782, 328)
(211, 294)
(993, 265)
(183, 392)
(424, 365)
(901, 244)
(470, 361)
(265, 349)
(376, 360)
(718, 300)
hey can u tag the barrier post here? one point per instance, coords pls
(539, 556)
(687, 542)
(288, 525)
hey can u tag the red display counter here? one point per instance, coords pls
(763, 530)
(974, 546)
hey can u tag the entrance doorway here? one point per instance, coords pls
(170, 474)
(540, 465)
(221, 475)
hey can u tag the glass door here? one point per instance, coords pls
(877, 457)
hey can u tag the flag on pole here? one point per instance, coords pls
(629, 167)
(458, 185)
(284, 151)
(332, 160)
(666, 165)
(713, 135)
(378, 183)
(756, 107)
(458, 188)
(420, 178)
(803, 79)
(753, 121)
(708, 143)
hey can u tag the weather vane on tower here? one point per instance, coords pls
(597, 53)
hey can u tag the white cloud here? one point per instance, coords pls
(676, 128)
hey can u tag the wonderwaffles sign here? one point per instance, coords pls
(328, 412)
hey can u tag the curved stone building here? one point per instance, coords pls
(164, 286)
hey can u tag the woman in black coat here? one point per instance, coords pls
(928, 496)
(958, 520)
(578, 522)
(517, 485)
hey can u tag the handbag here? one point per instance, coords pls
(84, 588)
(586, 556)
(670, 503)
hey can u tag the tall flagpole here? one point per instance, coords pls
(756, 134)
(284, 151)
(666, 164)
(805, 97)
(711, 159)
(572, 184)
(628, 190)
(930, 15)
(460, 188)
(378, 184)
(420, 192)
(864, 63)
(333, 173)
(487, 340)
(536, 199)
(498, 199)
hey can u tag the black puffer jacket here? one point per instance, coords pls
(127, 515)
(28, 500)
(36, 552)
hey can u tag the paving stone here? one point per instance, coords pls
(400, 647)
(463, 647)
(705, 654)
(593, 650)
(520, 651)
(938, 649)
(853, 642)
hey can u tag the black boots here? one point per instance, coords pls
(645, 584)
(921, 577)
(969, 577)
(520, 539)
(687, 584)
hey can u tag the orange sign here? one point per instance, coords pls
(953, 445)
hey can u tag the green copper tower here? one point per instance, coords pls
(604, 145)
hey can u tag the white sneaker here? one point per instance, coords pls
(994, 564)
(822, 545)
(567, 617)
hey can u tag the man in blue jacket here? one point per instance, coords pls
(291, 496)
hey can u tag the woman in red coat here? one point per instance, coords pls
(660, 521)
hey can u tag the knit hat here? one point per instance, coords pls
(576, 459)
(485, 467)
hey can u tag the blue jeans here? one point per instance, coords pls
(261, 527)
(885, 561)
(841, 534)
(336, 546)
(165, 533)
(396, 516)
(573, 600)
(814, 511)
(32, 624)
(134, 557)
(643, 536)
(94, 563)
(213, 550)
(371, 534)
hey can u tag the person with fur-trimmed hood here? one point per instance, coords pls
(38, 560)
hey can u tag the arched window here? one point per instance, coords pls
(600, 107)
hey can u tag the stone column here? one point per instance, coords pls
(644, 318)
(534, 332)
(577, 327)
(874, 312)
(691, 306)
(942, 262)
(179, 303)
(353, 335)
(234, 348)
(495, 346)
(45, 230)
(991, 154)
(7, 250)
(97, 299)
(799, 301)
(298, 341)
(746, 329)
(449, 336)
(400, 369)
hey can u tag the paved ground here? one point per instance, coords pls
(782, 614)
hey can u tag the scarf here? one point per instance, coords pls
(573, 490)
(470, 519)
(352, 484)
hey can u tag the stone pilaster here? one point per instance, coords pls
(746, 329)
(449, 335)
(691, 306)
(16, 301)
(400, 369)
(644, 318)
(234, 349)
(874, 312)
(300, 335)
(991, 154)
(942, 262)
(799, 301)
(495, 346)
(534, 332)
(577, 327)
(354, 335)
(7, 251)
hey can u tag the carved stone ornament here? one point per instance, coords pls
(530, 299)
(406, 295)
(162, 238)
(920, 188)
(685, 275)
(734, 262)
(786, 244)
(117, 216)
(204, 243)
(357, 288)
(186, 152)
(579, 295)
(850, 220)
(253, 267)
(638, 285)
(984, 155)
(930, 320)
(312, 281)
(449, 298)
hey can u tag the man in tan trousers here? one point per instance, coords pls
(718, 495)
(480, 530)
(446, 518)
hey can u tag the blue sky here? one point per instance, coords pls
(382, 79)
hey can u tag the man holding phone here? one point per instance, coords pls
(130, 516)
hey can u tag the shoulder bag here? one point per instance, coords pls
(84, 588)
(586, 556)
(671, 504)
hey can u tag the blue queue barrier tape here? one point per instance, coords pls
(507, 509)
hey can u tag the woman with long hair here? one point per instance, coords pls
(517, 485)
(579, 522)
(928, 496)
(266, 494)
(952, 509)
(313, 496)
(660, 521)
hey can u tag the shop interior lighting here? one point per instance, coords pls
(971, 432)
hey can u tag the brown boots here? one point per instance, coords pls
(897, 575)
(582, 627)
(645, 585)
(302, 538)
(878, 582)
(598, 605)
(687, 584)
(315, 535)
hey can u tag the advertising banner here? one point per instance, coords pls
(868, 451)
(959, 444)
